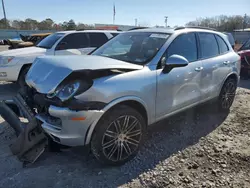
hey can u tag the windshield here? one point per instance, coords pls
(133, 47)
(246, 46)
(49, 41)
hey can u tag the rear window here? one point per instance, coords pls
(222, 45)
(97, 39)
(230, 38)
(208, 45)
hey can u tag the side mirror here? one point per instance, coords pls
(173, 61)
(61, 46)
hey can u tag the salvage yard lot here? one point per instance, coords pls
(199, 147)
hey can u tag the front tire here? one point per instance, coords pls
(227, 94)
(118, 135)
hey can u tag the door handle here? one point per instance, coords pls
(226, 62)
(198, 69)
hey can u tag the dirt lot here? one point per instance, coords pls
(198, 148)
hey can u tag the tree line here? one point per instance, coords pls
(47, 24)
(223, 23)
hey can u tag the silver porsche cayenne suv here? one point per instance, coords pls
(109, 98)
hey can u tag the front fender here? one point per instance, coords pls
(112, 104)
(123, 99)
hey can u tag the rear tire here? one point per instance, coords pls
(118, 135)
(227, 94)
(21, 80)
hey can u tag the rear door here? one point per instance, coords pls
(213, 52)
(73, 44)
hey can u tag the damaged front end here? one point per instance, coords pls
(49, 104)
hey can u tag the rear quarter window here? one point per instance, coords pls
(208, 45)
(223, 47)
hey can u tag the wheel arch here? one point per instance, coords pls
(232, 75)
(132, 101)
(22, 68)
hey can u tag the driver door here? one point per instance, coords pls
(179, 88)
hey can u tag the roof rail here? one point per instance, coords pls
(98, 29)
(178, 28)
(195, 27)
(135, 28)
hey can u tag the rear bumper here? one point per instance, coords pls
(72, 127)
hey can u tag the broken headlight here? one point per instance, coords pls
(65, 92)
(68, 91)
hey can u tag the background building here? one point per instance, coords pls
(114, 26)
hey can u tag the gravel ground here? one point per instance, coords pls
(197, 148)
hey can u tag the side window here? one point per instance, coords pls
(97, 39)
(222, 45)
(184, 45)
(208, 45)
(73, 41)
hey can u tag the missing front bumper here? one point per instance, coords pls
(31, 142)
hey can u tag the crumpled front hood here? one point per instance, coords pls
(47, 72)
(24, 52)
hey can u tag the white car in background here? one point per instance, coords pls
(14, 64)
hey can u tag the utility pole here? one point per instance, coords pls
(114, 13)
(136, 22)
(4, 14)
(244, 22)
(166, 21)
